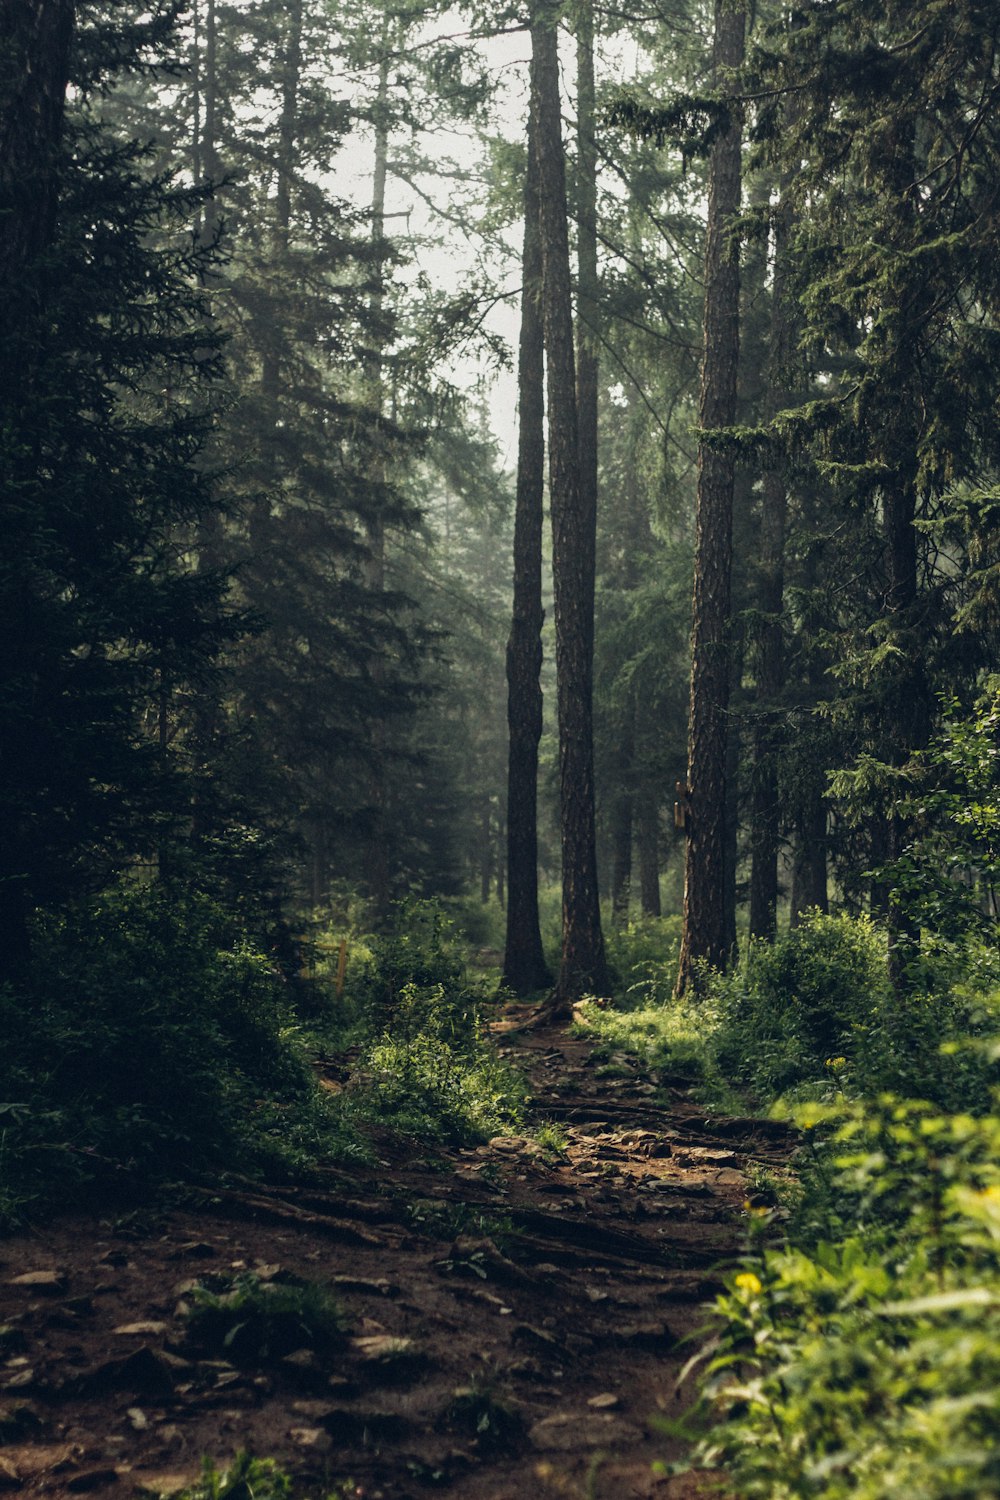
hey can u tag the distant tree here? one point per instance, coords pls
(704, 936)
(524, 966)
(583, 967)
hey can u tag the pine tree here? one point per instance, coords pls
(104, 619)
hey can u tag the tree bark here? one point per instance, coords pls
(588, 300)
(809, 872)
(704, 936)
(765, 820)
(622, 818)
(648, 841)
(524, 966)
(583, 967)
(379, 865)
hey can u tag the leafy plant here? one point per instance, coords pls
(252, 1320)
(864, 1361)
(246, 1479)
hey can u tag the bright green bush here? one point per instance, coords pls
(424, 1086)
(789, 1007)
(427, 1070)
(869, 1365)
(670, 1035)
(644, 956)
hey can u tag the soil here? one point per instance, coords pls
(514, 1319)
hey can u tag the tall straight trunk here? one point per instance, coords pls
(588, 301)
(583, 967)
(765, 819)
(524, 966)
(285, 171)
(809, 866)
(379, 864)
(704, 935)
(622, 812)
(731, 835)
(648, 848)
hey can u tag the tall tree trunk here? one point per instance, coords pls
(731, 836)
(765, 820)
(621, 845)
(583, 968)
(379, 864)
(524, 966)
(648, 842)
(704, 935)
(588, 300)
(285, 171)
(809, 866)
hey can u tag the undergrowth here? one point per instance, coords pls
(148, 1040)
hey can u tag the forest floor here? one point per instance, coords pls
(513, 1317)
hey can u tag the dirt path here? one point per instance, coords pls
(513, 1319)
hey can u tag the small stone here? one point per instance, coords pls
(10, 1479)
(313, 1438)
(49, 1283)
(605, 1401)
(567, 1432)
(379, 1346)
(301, 1359)
(148, 1329)
(508, 1143)
(30, 1461)
(138, 1418)
(163, 1486)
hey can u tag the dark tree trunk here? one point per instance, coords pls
(588, 305)
(731, 842)
(622, 809)
(648, 843)
(486, 850)
(524, 966)
(583, 968)
(287, 135)
(704, 936)
(809, 866)
(765, 819)
(379, 864)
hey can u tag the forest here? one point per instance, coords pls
(500, 749)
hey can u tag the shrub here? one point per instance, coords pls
(788, 1008)
(251, 1321)
(138, 1043)
(644, 956)
(868, 1365)
(427, 1071)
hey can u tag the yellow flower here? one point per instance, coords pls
(748, 1282)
